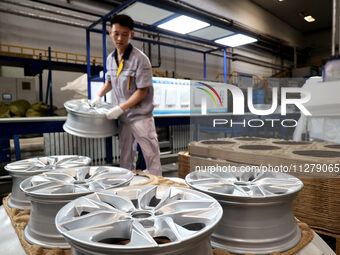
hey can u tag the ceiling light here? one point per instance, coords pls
(280, 0)
(183, 24)
(309, 18)
(236, 40)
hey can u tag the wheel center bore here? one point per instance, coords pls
(141, 214)
(241, 183)
(79, 182)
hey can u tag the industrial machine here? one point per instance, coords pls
(179, 96)
(12, 89)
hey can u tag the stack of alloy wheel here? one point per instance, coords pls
(257, 209)
(22, 169)
(146, 220)
(50, 191)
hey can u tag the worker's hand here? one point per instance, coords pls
(95, 101)
(114, 113)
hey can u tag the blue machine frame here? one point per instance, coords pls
(167, 6)
(164, 5)
(13, 127)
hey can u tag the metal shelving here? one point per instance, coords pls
(169, 6)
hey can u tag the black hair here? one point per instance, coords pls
(123, 20)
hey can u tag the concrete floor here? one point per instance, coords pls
(170, 170)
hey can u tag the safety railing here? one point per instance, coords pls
(59, 56)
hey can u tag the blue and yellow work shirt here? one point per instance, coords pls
(133, 72)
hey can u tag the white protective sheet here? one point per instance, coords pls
(324, 106)
(9, 241)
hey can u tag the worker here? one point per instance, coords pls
(129, 76)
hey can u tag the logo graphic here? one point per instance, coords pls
(208, 92)
(218, 92)
(239, 99)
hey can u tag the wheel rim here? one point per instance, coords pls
(23, 169)
(49, 191)
(258, 215)
(83, 106)
(86, 121)
(140, 215)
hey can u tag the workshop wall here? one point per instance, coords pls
(23, 31)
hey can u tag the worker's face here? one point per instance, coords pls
(121, 36)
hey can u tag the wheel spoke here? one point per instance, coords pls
(145, 196)
(51, 160)
(121, 203)
(96, 186)
(64, 162)
(167, 198)
(90, 234)
(274, 189)
(221, 188)
(95, 219)
(184, 206)
(59, 176)
(34, 168)
(168, 228)
(197, 216)
(27, 166)
(139, 236)
(206, 181)
(81, 173)
(48, 188)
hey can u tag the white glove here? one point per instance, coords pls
(114, 113)
(95, 101)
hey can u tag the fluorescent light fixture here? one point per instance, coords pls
(183, 24)
(236, 40)
(309, 18)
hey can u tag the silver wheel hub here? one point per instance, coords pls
(257, 209)
(22, 169)
(140, 220)
(50, 191)
(86, 121)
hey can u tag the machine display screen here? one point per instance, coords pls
(7, 96)
(26, 85)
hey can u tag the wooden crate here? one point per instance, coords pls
(318, 203)
(183, 164)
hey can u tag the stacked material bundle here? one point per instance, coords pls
(22, 108)
(317, 164)
(303, 159)
(183, 164)
(318, 204)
